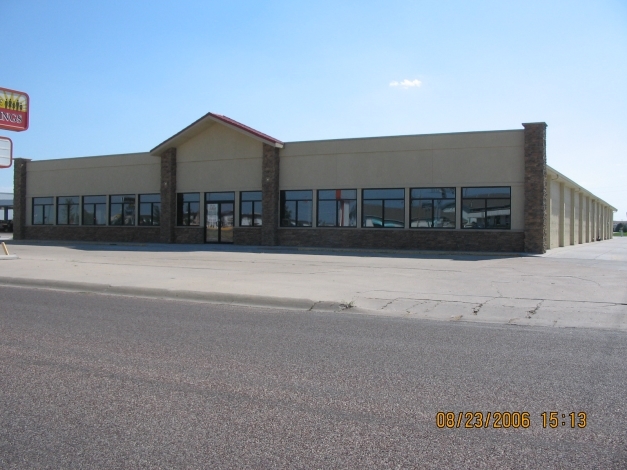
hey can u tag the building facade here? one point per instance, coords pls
(219, 181)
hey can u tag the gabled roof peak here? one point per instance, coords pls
(199, 124)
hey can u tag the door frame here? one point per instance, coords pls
(219, 203)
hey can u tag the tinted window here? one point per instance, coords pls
(432, 208)
(250, 209)
(486, 208)
(188, 209)
(384, 194)
(383, 208)
(219, 197)
(296, 208)
(486, 192)
(337, 208)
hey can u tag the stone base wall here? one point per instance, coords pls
(442, 240)
(193, 235)
(247, 236)
(494, 241)
(92, 234)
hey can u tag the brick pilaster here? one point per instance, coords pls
(168, 195)
(20, 166)
(270, 195)
(535, 187)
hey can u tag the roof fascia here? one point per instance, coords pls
(559, 177)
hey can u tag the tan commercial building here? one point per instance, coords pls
(219, 181)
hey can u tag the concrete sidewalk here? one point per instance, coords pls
(578, 286)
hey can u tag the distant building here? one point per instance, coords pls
(6, 206)
(219, 181)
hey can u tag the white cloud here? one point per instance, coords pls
(406, 83)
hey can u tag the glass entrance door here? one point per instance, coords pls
(226, 222)
(212, 223)
(219, 217)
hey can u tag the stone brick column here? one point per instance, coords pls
(168, 195)
(548, 212)
(20, 166)
(270, 195)
(535, 187)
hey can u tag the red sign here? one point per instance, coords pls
(6, 152)
(13, 110)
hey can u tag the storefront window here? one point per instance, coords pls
(68, 210)
(296, 208)
(486, 208)
(149, 209)
(43, 209)
(250, 209)
(432, 208)
(188, 209)
(94, 210)
(383, 208)
(122, 210)
(337, 208)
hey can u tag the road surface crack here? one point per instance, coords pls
(388, 304)
(534, 310)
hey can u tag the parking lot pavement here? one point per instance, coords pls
(578, 286)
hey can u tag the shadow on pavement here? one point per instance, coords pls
(306, 251)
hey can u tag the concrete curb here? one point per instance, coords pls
(193, 296)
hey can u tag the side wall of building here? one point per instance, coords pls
(576, 215)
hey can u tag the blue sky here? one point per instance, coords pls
(120, 76)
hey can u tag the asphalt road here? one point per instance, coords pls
(96, 381)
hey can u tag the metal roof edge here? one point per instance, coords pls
(401, 135)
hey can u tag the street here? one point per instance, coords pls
(100, 381)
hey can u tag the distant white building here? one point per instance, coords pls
(6, 206)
